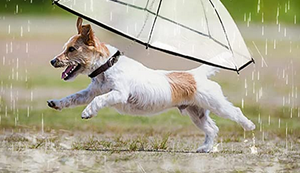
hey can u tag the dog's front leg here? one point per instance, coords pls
(109, 99)
(82, 97)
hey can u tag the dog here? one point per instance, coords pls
(131, 88)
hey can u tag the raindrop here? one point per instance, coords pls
(21, 31)
(26, 47)
(28, 26)
(11, 47)
(262, 30)
(31, 96)
(263, 134)
(111, 16)
(269, 120)
(285, 7)
(277, 16)
(6, 50)
(28, 111)
(17, 9)
(284, 32)
(249, 20)
(42, 123)
(295, 19)
(258, 6)
(253, 148)
(92, 5)
(278, 122)
(260, 93)
(286, 135)
(242, 103)
(260, 126)
(266, 47)
(8, 29)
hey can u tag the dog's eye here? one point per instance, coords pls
(71, 49)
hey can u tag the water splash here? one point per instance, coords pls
(253, 148)
(215, 148)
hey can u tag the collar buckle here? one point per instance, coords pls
(109, 63)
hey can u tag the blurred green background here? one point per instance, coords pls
(286, 11)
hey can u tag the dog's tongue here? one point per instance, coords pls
(68, 69)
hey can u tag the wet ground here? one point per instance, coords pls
(73, 153)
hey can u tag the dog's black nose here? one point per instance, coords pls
(53, 62)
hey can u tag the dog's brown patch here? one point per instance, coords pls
(104, 50)
(183, 86)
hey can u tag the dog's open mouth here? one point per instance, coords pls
(70, 71)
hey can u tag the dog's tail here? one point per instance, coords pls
(208, 70)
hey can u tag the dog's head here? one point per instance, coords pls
(81, 54)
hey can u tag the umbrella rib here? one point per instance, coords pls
(147, 4)
(223, 27)
(206, 19)
(152, 28)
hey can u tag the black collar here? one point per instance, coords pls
(109, 63)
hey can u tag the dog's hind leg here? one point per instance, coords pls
(201, 119)
(215, 101)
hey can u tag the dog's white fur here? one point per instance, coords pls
(151, 93)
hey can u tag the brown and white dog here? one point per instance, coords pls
(132, 88)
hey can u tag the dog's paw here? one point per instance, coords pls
(87, 114)
(205, 148)
(55, 104)
(249, 125)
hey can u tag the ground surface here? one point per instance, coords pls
(35, 138)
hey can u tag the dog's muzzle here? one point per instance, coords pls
(57, 63)
(53, 62)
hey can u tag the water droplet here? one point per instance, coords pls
(253, 149)
(42, 123)
(266, 47)
(242, 103)
(17, 9)
(258, 6)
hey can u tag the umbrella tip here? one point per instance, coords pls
(54, 1)
(252, 59)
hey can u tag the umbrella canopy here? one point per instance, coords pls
(193, 29)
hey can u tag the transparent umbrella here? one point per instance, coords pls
(197, 30)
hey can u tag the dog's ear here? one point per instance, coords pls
(88, 35)
(79, 25)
